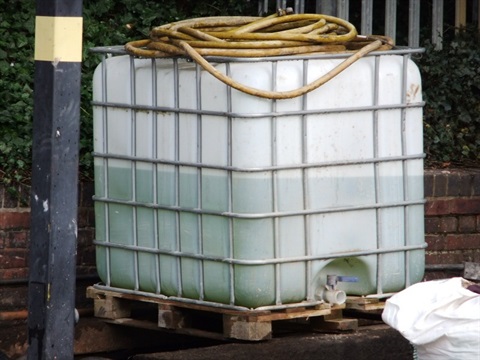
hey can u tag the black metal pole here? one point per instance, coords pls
(58, 55)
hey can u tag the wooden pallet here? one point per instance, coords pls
(209, 321)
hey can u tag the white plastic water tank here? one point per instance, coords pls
(206, 193)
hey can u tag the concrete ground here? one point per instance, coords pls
(97, 340)
(369, 342)
(377, 341)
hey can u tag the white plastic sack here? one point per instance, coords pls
(441, 318)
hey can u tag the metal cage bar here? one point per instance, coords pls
(266, 261)
(274, 185)
(327, 7)
(437, 23)
(366, 27)
(305, 192)
(391, 19)
(105, 165)
(406, 208)
(198, 93)
(178, 244)
(414, 23)
(133, 171)
(231, 268)
(155, 176)
(341, 8)
(376, 176)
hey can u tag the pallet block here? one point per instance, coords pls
(170, 317)
(239, 327)
(109, 307)
(472, 271)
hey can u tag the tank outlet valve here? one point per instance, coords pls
(332, 280)
(330, 294)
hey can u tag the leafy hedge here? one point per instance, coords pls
(451, 77)
(106, 22)
(16, 89)
(451, 82)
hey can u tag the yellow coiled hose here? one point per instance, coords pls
(279, 34)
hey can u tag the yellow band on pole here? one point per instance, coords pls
(58, 39)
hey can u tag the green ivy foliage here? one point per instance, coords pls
(16, 90)
(106, 22)
(451, 81)
(451, 77)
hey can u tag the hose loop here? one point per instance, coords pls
(282, 33)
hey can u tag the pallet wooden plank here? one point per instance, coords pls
(135, 323)
(365, 304)
(291, 315)
(93, 293)
(149, 325)
(361, 300)
(200, 333)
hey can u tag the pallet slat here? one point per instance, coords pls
(364, 304)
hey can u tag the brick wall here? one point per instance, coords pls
(14, 243)
(452, 221)
(14, 234)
